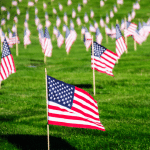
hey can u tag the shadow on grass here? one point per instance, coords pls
(37, 142)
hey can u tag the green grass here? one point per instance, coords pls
(123, 101)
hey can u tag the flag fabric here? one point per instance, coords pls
(46, 15)
(91, 28)
(58, 21)
(101, 3)
(2, 36)
(73, 34)
(44, 5)
(91, 13)
(15, 19)
(18, 11)
(107, 30)
(71, 23)
(10, 36)
(71, 106)
(7, 62)
(103, 60)
(47, 23)
(86, 18)
(113, 32)
(30, 3)
(87, 38)
(60, 7)
(14, 3)
(120, 42)
(133, 14)
(73, 13)
(99, 36)
(3, 8)
(55, 31)
(65, 18)
(14, 39)
(111, 14)
(79, 8)
(3, 22)
(36, 11)
(54, 11)
(8, 15)
(78, 20)
(136, 5)
(107, 18)
(69, 2)
(27, 36)
(82, 30)
(95, 24)
(27, 15)
(129, 17)
(68, 40)
(102, 24)
(122, 24)
(120, 2)
(14, 28)
(60, 39)
(131, 27)
(41, 38)
(47, 44)
(84, 1)
(37, 20)
(115, 9)
(64, 28)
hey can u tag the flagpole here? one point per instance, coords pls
(44, 59)
(93, 68)
(126, 36)
(48, 142)
(16, 43)
(134, 45)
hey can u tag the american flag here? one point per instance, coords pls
(65, 18)
(3, 22)
(91, 13)
(115, 9)
(138, 38)
(15, 19)
(27, 36)
(113, 32)
(64, 28)
(8, 15)
(54, 11)
(107, 30)
(60, 7)
(18, 11)
(84, 1)
(27, 15)
(73, 34)
(37, 20)
(14, 28)
(47, 23)
(55, 31)
(91, 28)
(103, 60)
(87, 38)
(86, 18)
(133, 14)
(120, 2)
(3, 8)
(78, 20)
(14, 3)
(36, 1)
(36, 11)
(71, 106)
(30, 3)
(101, 3)
(148, 21)
(25, 24)
(71, 23)
(136, 5)
(95, 24)
(120, 42)
(73, 13)
(14, 39)
(82, 30)
(111, 14)
(68, 40)
(10, 36)
(46, 15)
(60, 39)
(47, 44)
(99, 36)
(69, 2)
(58, 21)
(131, 27)
(102, 24)
(122, 25)
(44, 5)
(107, 18)
(2, 36)
(129, 17)
(79, 7)
(141, 29)
(41, 38)
(7, 62)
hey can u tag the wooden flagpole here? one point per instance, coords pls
(134, 45)
(16, 43)
(93, 68)
(48, 142)
(106, 36)
(44, 59)
(126, 41)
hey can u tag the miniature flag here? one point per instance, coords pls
(71, 106)
(46, 15)
(44, 5)
(14, 3)
(107, 18)
(111, 14)
(102, 24)
(101, 3)
(71, 23)
(65, 18)
(131, 27)
(27, 15)
(91, 13)
(69, 2)
(7, 62)
(136, 5)
(3, 8)
(78, 20)
(87, 38)
(14, 28)
(113, 32)
(107, 30)
(58, 21)
(73, 13)
(115, 9)
(79, 8)
(47, 23)
(133, 14)
(3, 22)
(68, 40)
(47, 44)
(10, 36)
(30, 3)
(14, 39)
(120, 42)
(18, 11)
(60, 39)
(73, 34)
(138, 38)
(8, 15)
(103, 60)
(64, 28)
(120, 2)
(37, 20)
(122, 25)
(95, 24)
(36, 11)
(86, 18)
(55, 31)
(91, 28)
(54, 11)
(60, 7)
(15, 19)
(84, 1)
(27, 36)
(129, 18)
(99, 36)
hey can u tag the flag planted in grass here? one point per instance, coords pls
(7, 63)
(102, 59)
(71, 106)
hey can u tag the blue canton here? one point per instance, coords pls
(6, 50)
(60, 92)
(118, 32)
(46, 34)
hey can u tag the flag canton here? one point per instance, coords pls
(46, 34)
(60, 92)
(6, 50)
(97, 32)
(98, 49)
(67, 32)
(118, 32)
(14, 34)
(128, 24)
